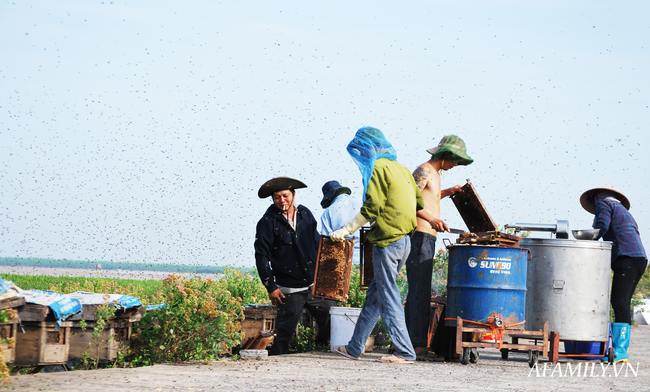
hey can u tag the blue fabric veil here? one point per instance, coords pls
(368, 145)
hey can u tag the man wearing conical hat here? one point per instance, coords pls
(616, 224)
(449, 153)
(286, 248)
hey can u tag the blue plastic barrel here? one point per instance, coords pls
(485, 282)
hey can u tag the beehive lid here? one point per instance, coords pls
(472, 210)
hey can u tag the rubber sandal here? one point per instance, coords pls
(342, 350)
(393, 359)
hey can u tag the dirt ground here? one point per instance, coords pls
(324, 371)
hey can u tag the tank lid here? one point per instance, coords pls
(556, 242)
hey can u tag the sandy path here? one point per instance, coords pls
(323, 371)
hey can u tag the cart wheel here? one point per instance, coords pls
(611, 355)
(464, 357)
(473, 355)
(504, 353)
(533, 357)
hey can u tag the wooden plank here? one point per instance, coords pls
(29, 347)
(42, 343)
(555, 347)
(13, 302)
(55, 349)
(545, 353)
(81, 341)
(435, 320)
(33, 312)
(88, 313)
(509, 346)
(459, 335)
(259, 342)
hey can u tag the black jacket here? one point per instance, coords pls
(283, 256)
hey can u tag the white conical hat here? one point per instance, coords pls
(587, 198)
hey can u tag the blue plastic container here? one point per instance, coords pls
(487, 281)
(582, 348)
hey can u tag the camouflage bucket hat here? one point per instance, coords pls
(452, 149)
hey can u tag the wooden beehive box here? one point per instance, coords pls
(42, 343)
(258, 318)
(333, 267)
(81, 341)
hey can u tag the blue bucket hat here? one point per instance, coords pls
(331, 190)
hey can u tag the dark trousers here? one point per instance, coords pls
(289, 315)
(419, 268)
(627, 273)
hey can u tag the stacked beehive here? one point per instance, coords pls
(44, 340)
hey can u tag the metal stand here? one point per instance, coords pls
(469, 353)
(603, 352)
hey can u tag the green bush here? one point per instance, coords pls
(246, 286)
(356, 296)
(200, 321)
(440, 270)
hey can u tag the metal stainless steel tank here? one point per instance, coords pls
(568, 286)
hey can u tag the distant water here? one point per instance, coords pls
(92, 273)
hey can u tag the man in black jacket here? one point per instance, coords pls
(286, 248)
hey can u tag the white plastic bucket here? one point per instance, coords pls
(342, 324)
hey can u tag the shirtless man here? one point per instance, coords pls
(448, 154)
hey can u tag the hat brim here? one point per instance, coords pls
(587, 198)
(459, 157)
(333, 195)
(279, 184)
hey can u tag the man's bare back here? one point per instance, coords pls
(428, 180)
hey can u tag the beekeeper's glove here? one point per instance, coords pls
(352, 226)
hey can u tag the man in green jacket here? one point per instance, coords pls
(391, 199)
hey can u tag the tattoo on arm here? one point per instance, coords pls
(421, 176)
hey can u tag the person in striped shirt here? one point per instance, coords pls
(615, 223)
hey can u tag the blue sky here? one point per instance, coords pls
(141, 131)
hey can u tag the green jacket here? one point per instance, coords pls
(393, 199)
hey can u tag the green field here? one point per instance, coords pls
(146, 290)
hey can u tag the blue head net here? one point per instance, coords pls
(368, 145)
